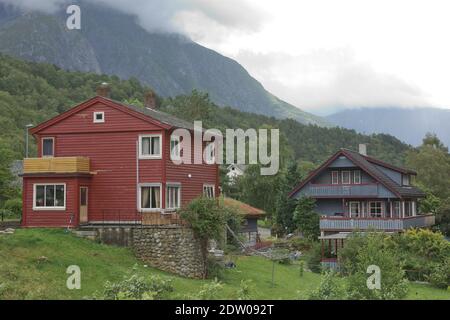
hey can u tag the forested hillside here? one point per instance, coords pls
(32, 92)
(112, 42)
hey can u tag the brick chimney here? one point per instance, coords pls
(363, 149)
(150, 99)
(103, 90)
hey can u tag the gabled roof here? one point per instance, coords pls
(368, 164)
(156, 117)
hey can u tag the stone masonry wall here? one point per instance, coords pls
(172, 249)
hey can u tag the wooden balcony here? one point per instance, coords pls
(343, 190)
(56, 165)
(387, 224)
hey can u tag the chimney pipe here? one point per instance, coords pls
(363, 149)
(103, 90)
(150, 99)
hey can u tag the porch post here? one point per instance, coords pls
(322, 250)
(403, 208)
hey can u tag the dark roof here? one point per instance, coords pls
(368, 164)
(153, 116)
(158, 115)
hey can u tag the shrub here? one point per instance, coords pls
(375, 252)
(208, 220)
(245, 290)
(209, 291)
(137, 287)
(440, 275)
(15, 206)
(329, 288)
(306, 219)
(314, 257)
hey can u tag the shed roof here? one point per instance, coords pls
(243, 208)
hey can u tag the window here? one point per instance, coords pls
(334, 177)
(375, 209)
(208, 190)
(150, 198)
(99, 117)
(357, 177)
(175, 148)
(408, 209)
(48, 147)
(355, 209)
(210, 153)
(173, 196)
(345, 177)
(150, 147)
(405, 180)
(396, 209)
(49, 196)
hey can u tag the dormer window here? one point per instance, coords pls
(405, 180)
(99, 117)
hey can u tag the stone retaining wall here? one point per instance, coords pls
(170, 248)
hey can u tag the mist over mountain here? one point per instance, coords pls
(113, 43)
(408, 125)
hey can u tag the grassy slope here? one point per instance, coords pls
(25, 277)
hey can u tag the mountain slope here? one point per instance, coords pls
(409, 125)
(111, 42)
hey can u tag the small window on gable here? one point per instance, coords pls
(334, 177)
(357, 177)
(99, 117)
(48, 147)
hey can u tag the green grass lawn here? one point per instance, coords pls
(25, 275)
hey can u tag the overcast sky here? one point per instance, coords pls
(320, 55)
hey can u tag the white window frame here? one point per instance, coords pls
(177, 154)
(357, 175)
(349, 177)
(332, 177)
(210, 152)
(370, 214)
(53, 147)
(150, 156)
(102, 120)
(146, 185)
(350, 209)
(213, 188)
(173, 185)
(44, 208)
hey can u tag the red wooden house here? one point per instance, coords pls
(104, 162)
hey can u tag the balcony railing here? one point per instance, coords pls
(386, 224)
(325, 190)
(56, 165)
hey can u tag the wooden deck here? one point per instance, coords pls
(56, 165)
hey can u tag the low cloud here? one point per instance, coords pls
(173, 15)
(324, 81)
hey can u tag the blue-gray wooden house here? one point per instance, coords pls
(354, 191)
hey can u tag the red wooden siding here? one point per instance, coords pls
(111, 148)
